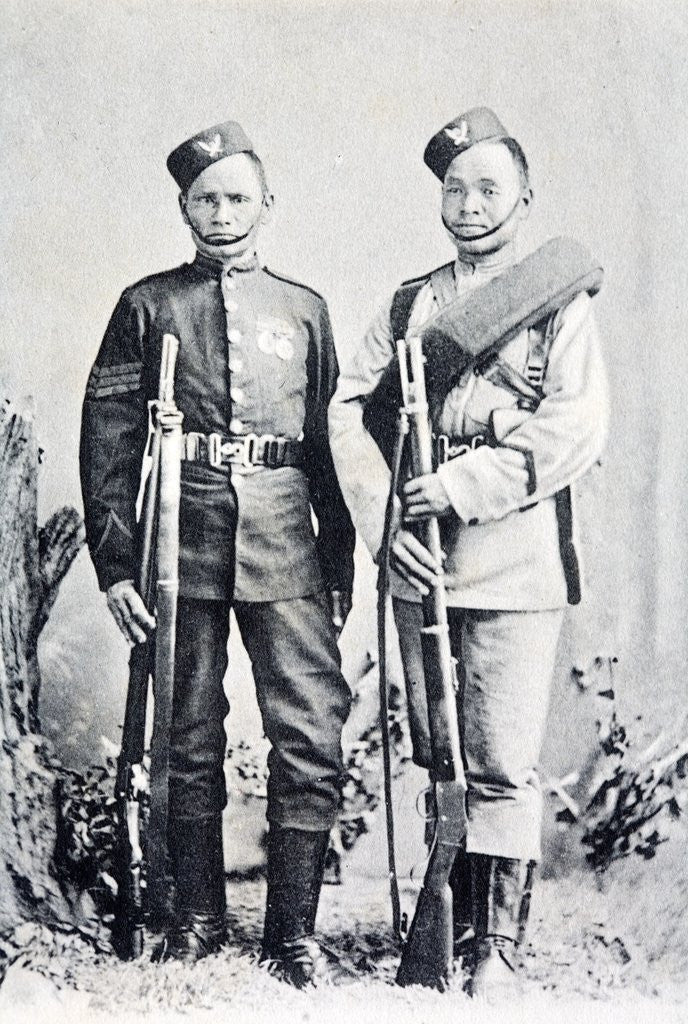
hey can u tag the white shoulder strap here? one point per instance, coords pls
(540, 339)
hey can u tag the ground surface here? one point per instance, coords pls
(613, 954)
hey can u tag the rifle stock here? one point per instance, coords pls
(134, 727)
(427, 956)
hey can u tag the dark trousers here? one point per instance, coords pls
(302, 695)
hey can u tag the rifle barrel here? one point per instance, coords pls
(167, 560)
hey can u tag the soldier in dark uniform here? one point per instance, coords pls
(255, 372)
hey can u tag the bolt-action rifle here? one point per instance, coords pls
(157, 584)
(427, 954)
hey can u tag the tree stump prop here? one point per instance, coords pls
(33, 563)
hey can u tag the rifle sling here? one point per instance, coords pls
(382, 611)
(167, 588)
(142, 655)
(159, 768)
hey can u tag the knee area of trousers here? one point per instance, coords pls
(196, 801)
(498, 779)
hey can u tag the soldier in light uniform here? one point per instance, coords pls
(501, 488)
(255, 372)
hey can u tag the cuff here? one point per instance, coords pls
(463, 491)
(114, 556)
(489, 483)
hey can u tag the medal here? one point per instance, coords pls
(266, 342)
(284, 348)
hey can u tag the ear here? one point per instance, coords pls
(526, 202)
(181, 199)
(268, 208)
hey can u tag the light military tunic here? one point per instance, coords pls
(502, 543)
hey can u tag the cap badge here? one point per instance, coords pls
(458, 134)
(213, 148)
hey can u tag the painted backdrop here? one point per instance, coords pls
(340, 99)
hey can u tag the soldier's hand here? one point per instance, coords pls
(129, 611)
(340, 606)
(425, 496)
(414, 563)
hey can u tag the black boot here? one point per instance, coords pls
(460, 885)
(296, 860)
(500, 896)
(199, 873)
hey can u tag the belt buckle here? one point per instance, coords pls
(248, 455)
(448, 451)
(215, 450)
(442, 449)
(275, 452)
(270, 444)
(192, 446)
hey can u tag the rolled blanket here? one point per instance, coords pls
(484, 320)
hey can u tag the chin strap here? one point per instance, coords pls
(485, 234)
(221, 245)
(214, 249)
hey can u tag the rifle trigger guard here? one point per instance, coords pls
(427, 814)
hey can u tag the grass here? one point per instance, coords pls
(587, 959)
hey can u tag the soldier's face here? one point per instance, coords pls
(225, 205)
(482, 191)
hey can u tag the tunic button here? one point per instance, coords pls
(236, 365)
(237, 395)
(228, 283)
(236, 426)
(234, 336)
(231, 306)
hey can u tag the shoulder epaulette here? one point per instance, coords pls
(412, 281)
(297, 284)
(424, 277)
(154, 279)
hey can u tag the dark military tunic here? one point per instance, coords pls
(255, 355)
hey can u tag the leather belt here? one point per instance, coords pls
(447, 448)
(245, 450)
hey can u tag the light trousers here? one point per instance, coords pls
(505, 662)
